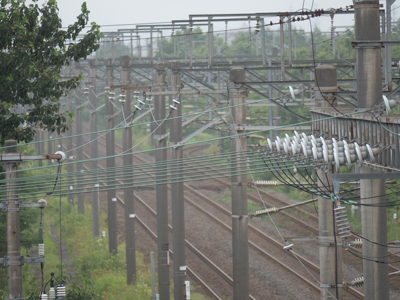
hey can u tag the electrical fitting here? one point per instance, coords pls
(265, 183)
(41, 249)
(111, 96)
(263, 212)
(357, 282)
(44, 296)
(288, 247)
(357, 243)
(122, 98)
(389, 104)
(61, 290)
(257, 29)
(52, 293)
(342, 222)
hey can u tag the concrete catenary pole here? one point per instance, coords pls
(177, 200)
(237, 95)
(110, 151)
(161, 186)
(49, 145)
(93, 147)
(14, 270)
(330, 256)
(369, 92)
(129, 196)
(79, 142)
(70, 167)
(40, 148)
(388, 49)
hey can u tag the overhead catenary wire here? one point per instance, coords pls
(118, 126)
(206, 140)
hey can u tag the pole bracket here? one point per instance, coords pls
(238, 126)
(21, 260)
(21, 205)
(240, 217)
(325, 285)
(159, 137)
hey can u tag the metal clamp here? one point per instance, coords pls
(6, 262)
(325, 285)
(238, 126)
(4, 205)
(159, 137)
(22, 260)
(21, 205)
(240, 217)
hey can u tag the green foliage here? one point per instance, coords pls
(82, 288)
(33, 49)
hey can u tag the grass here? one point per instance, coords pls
(101, 276)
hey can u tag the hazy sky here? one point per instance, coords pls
(112, 12)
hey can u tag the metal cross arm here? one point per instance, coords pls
(208, 125)
(21, 260)
(10, 157)
(360, 44)
(132, 86)
(18, 205)
(337, 177)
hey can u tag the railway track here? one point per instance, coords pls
(254, 231)
(312, 220)
(191, 272)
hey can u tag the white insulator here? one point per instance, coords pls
(347, 153)
(297, 135)
(313, 139)
(266, 211)
(285, 147)
(303, 148)
(41, 249)
(266, 183)
(278, 145)
(270, 144)
(314, 149)
(358, 281)
(288, 139)
(44, 296)
(61, 291)
(342, 221)
(141, 102)
(278, 139)
(138, 107)
(52, 293)
(294, 148)
(305, 136)
(357, 243)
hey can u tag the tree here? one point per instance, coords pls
(33, 49)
